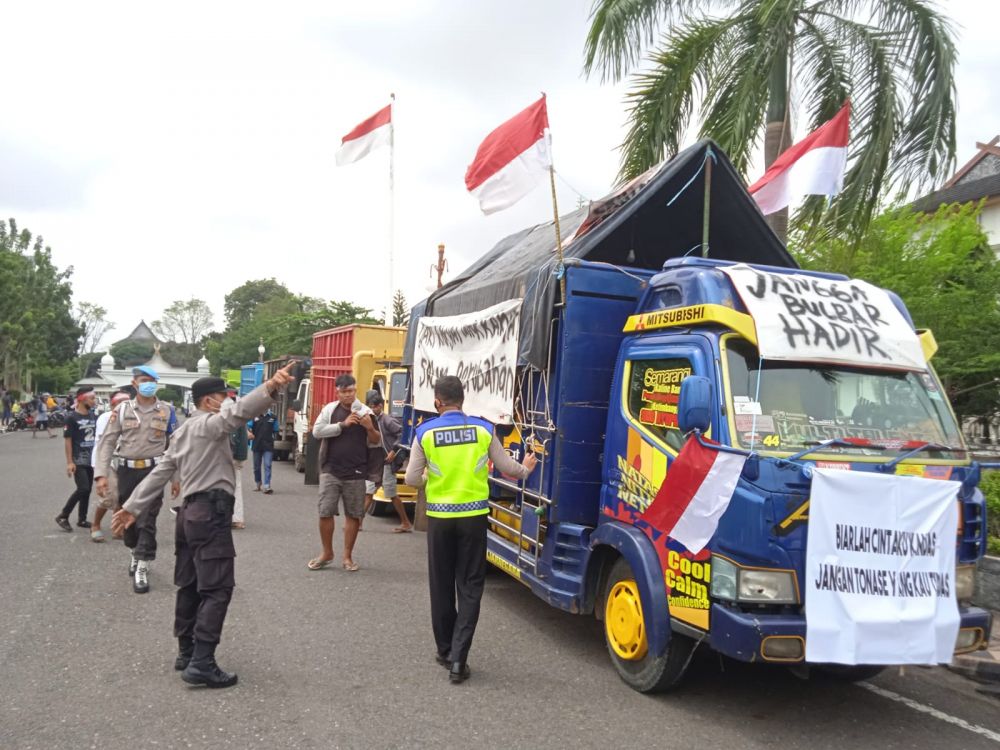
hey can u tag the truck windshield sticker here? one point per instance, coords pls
(481, 349)
(808, 318)
(654, 390)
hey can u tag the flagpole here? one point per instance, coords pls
(561, 270)
(392, 210)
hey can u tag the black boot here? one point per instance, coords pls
(459, 672)
(202, 669)
(185, 651)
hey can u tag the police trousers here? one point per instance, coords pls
(140, 537)
(456, 566)
(204, 571)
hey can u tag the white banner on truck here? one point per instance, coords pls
(807, 318)
(481, 349)
(880, 569)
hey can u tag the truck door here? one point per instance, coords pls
(642, 440)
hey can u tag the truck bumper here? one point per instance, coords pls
(742, 635)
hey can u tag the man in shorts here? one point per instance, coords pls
(384, 454)
(345, 427)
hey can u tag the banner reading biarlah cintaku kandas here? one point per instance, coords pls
(481, 349)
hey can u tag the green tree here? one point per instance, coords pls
(184, 321)
(739, 68)
(242, 302)
(37, 329)
(942, 267)
(93, 322)
(131, 353)
(400, 310)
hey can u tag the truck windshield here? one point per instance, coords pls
(804, 403)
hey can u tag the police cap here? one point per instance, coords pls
(204, 386)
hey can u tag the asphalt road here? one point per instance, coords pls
(333, 659)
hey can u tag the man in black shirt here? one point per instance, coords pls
(346, 428)
(78, 432)
(262, 434)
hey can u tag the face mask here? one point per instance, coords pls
(148, 389)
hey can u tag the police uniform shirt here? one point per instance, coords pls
(199, 452)
(138, 431)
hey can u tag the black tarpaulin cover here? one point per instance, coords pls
(632, 227)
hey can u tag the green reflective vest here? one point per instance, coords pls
(457, 450)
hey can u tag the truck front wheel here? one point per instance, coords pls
(625, 635)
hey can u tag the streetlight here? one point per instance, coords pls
(260, 349)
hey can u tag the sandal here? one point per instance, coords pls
(318, 563)
(97, 535)
(402, 530)
(352, 567)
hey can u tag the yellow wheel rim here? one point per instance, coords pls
(623, 623)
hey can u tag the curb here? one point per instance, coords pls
(980, 668)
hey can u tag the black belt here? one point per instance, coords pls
(223, 501)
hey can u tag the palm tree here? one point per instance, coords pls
(743, 68)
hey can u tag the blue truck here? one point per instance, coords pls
(251, 376)
(620, 363)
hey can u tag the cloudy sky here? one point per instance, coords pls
(175, 150)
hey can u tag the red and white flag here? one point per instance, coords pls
(813, 166)
(511, 161)
(374, 132)
(696, 492)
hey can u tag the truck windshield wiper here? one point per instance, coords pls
(840, 442)
(918, 449)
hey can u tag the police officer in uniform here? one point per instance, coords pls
(204, 569)
(141, 430)
(455, 450)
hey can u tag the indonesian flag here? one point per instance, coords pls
(512, 159)
(813, 166)
(696, 492)
(370, 134)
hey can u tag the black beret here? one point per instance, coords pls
(205, 386)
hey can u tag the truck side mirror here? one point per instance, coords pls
(694, 408)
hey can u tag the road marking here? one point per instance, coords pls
(931, 711)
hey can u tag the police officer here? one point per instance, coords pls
(455, 448)
(140, 429)
(204, 570)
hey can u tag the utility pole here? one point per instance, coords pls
(441, 266)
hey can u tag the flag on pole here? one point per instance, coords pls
(511, 161)
(813, 166)
(696, 492)
(374, 132)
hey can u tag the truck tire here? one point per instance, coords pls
(625, 636)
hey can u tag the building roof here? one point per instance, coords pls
(960, 192)
(142, 332)
(985, 162)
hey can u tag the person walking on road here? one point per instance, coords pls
(42, 416)
(140, 429)
(238, 442)
(110, 499)
(204, 571)
(345, 427)
(8, 405)
(262, 434)
(390, 431)
(79, 431)
(455, 449)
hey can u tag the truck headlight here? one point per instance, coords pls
(723, 579)
(766, 587)
(965, 582)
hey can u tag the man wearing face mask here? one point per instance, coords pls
(79, 437)
(141, 430)
(204, 570)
